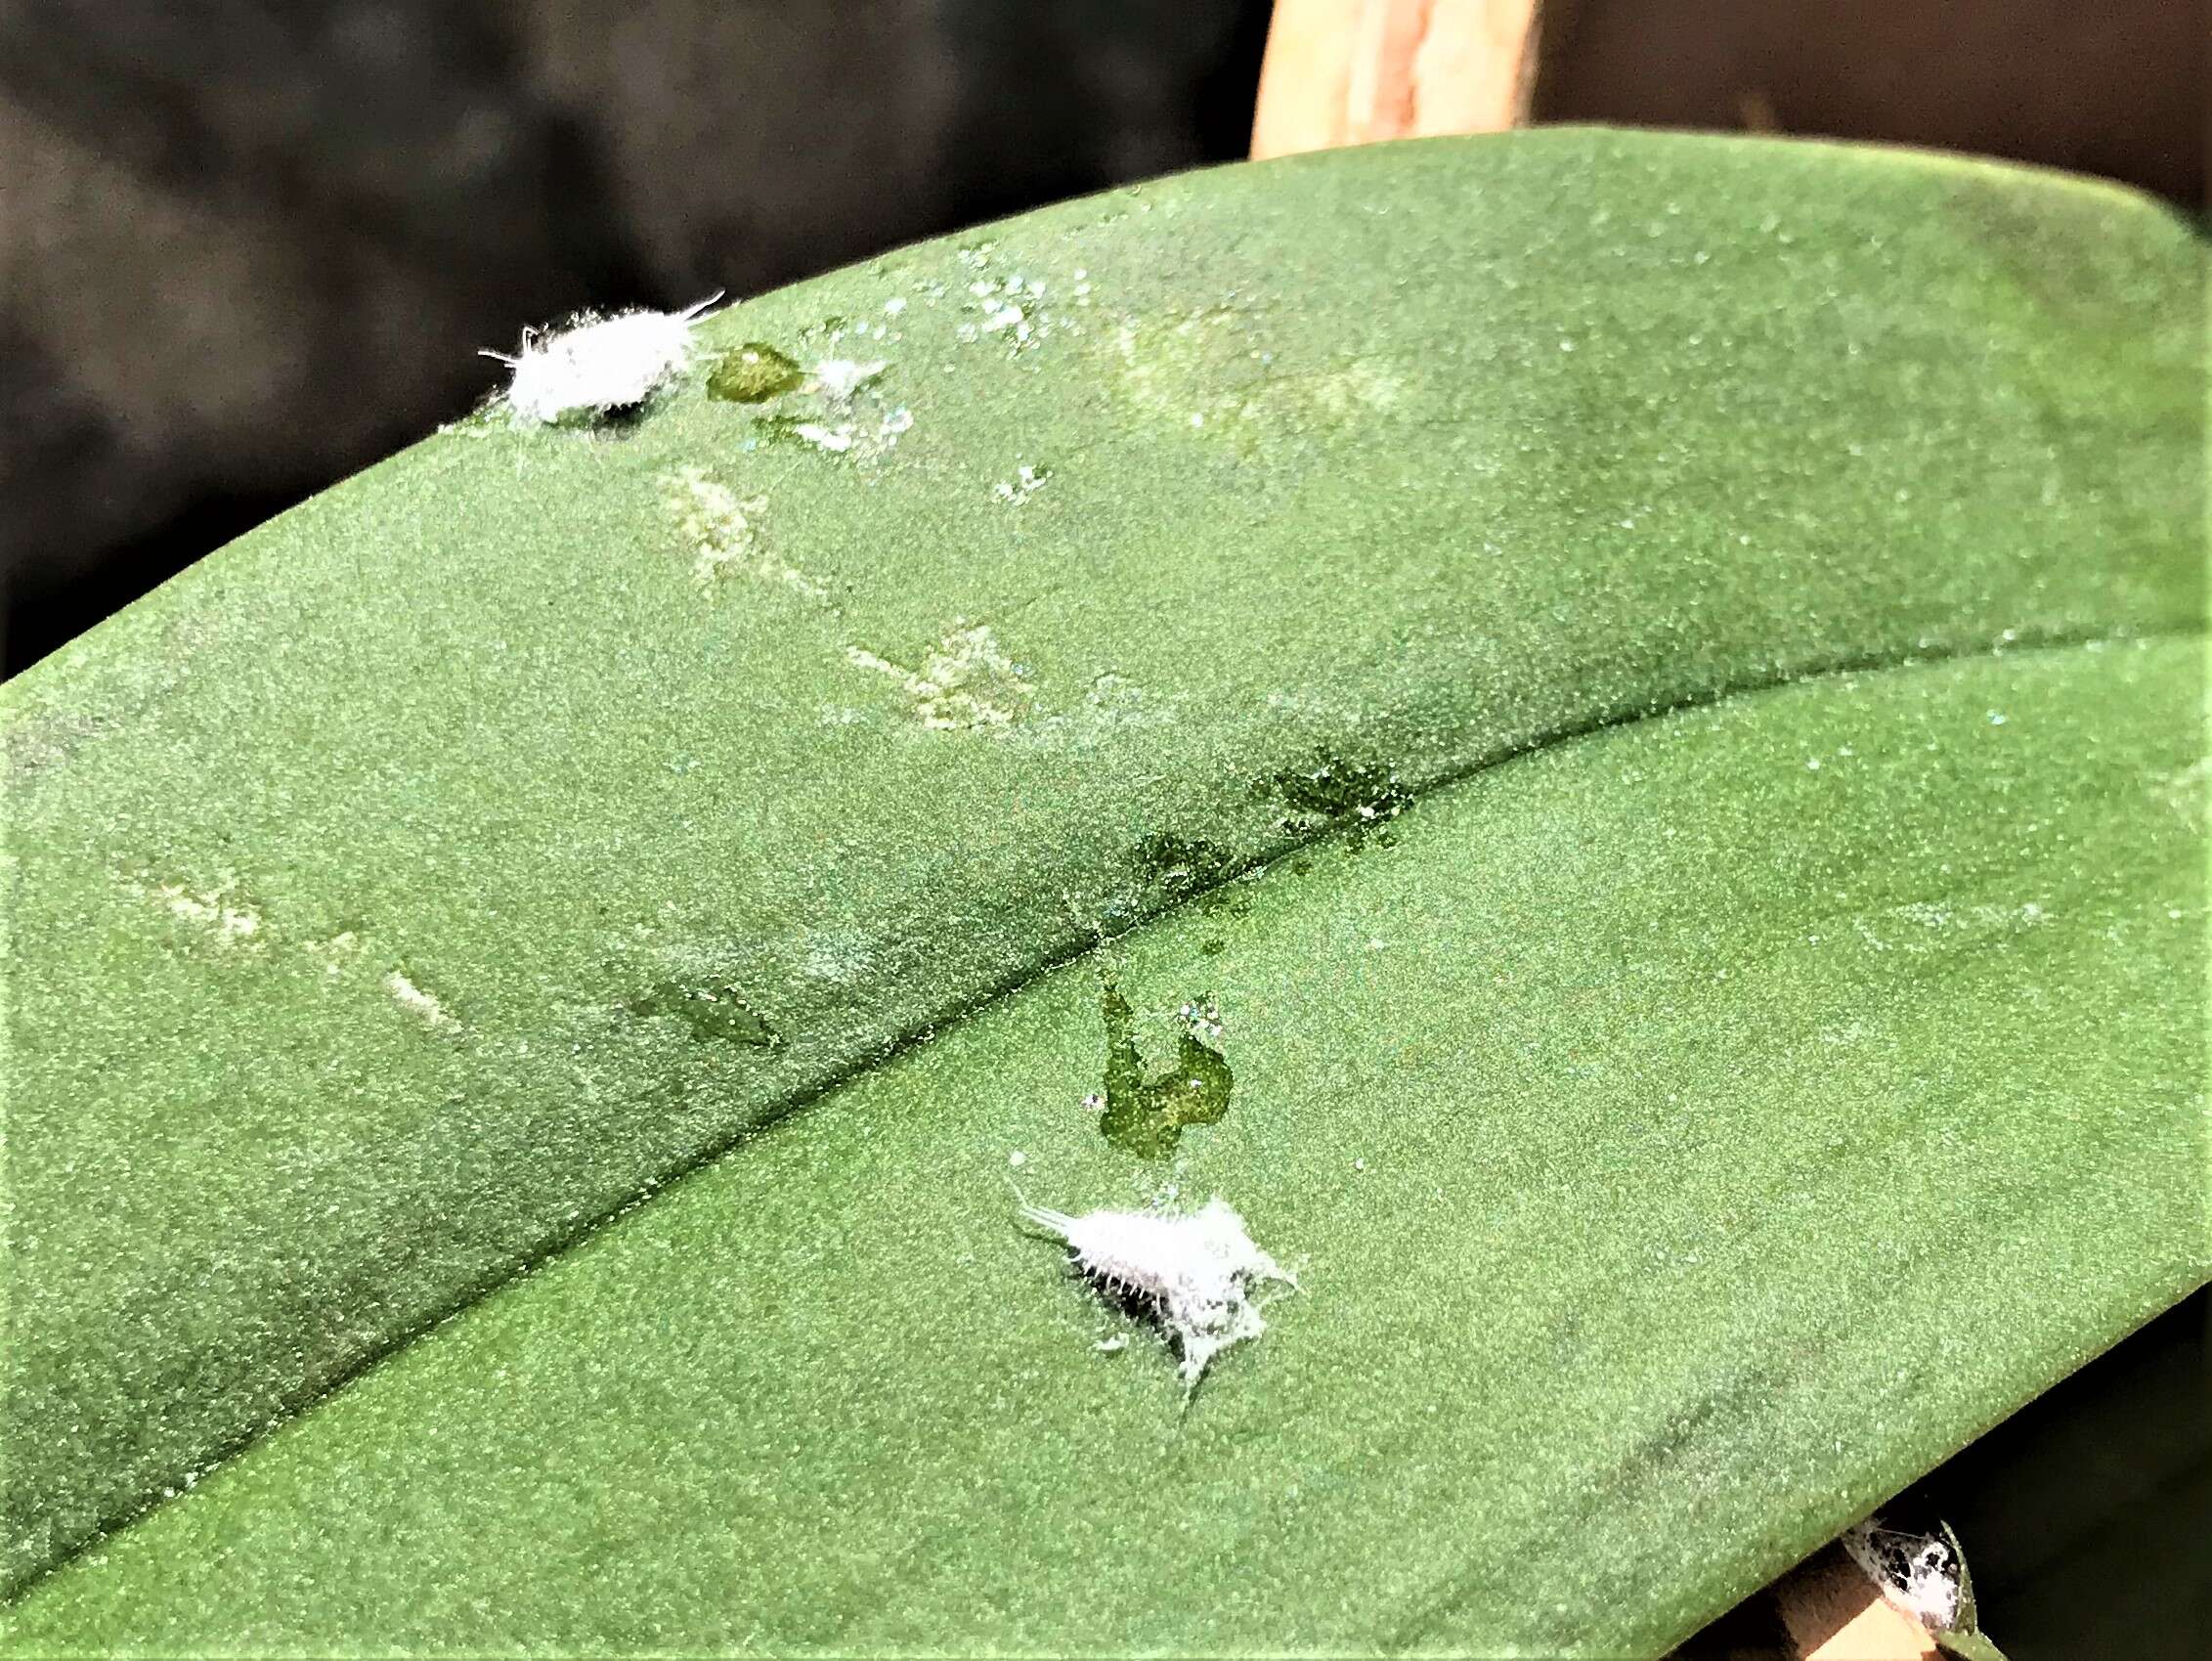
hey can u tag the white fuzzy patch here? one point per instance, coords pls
(840, 378)
(836, 440)
(967, 684)
(1197, 1271)
(231, 922)
(416, 1001)
(600, 363)
(720, 529)
(1011, 310)
(1025, 483)
(212, 911)
(856, 437)
(1918, 1573)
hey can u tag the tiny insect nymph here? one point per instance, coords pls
(599, 363)
(1193, 1273)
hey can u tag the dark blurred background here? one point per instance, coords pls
(251, 245)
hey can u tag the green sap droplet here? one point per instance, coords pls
(753, 373)
(1147, 1117)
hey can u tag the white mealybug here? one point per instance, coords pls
(599, 363)
(1192, 1273)
(1917, 1573)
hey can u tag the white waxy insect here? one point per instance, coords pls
(1195, 1272)
(600, 363)
(1917, 1573)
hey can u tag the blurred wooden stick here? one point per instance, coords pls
(1351, 71)
(1833, 1612)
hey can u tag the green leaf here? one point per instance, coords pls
(1969, 1645)
(1766, 1052)
(1966, 1639)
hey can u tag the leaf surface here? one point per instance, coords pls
(546, 814)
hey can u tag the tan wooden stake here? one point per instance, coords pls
(1833, 1612)
(1341, 72)
(1351, 71)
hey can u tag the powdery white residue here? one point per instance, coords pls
(856, 438)
(600, 363)
(967, 684)
(334, 953)
(1198, 372)
(1196, 1272)
(231, 922)
(1025, 484)
(719, 530)
(416, 1001)
(1917, 1573)
(836, 440)
(1007, 311)
(839, 378)
(1115, 701)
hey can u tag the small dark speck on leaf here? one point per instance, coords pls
(1182, 865)
(1331, 790)
(713, 1013)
